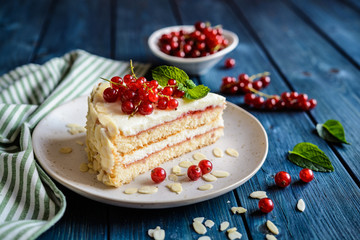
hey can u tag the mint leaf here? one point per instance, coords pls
(163, 73)
(308, 155)
(189, 83)
(197, 92)
(332, 131)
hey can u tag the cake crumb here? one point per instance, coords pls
(74, 128)
(65, 150)
(84, 167)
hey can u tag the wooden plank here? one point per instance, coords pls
(338, 22)
(73, 25)
(135, 21)
(285, 129)
(86, 26)
(312, 66)
(20, 31)
(177, 222)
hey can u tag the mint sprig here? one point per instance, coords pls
(162, 74)
(308, 155)
(332, 131)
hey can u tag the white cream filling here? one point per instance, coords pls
(170, 141)
(110, 114)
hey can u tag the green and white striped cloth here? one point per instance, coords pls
(30, 202)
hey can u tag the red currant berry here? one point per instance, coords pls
(230, 63)
(258, 102)
(178, 94)
(265, 80)
(206, 166)
(168, 91)
(243, 77)
(233, 89)
(305, 106)
(200, 26)
(154, 83)
(228, 80)
(313, 103)
(194, 172)
(128, 107)
(146, 108)
(266, 205)
(171, 82)
(303, 97)
(128, 95)
(153, 97)
(110, 94)
(249, 98)
(162, 103)
(282, 179)
(173, 103)
(166, 48)
(257, 85)
(114, 81)
(245, 86)
(285, 96)
(128, 78)
(294, 95)
(158, 175)
(306, 175)
(270, 103)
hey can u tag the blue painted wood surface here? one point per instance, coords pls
(308, 46)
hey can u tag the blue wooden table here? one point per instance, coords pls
(309, 46)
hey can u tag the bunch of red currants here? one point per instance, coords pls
(254, 98)
(203, 41)
(140, 95)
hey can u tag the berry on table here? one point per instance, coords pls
(158, 175)
(266, 205)
(230, 63)
(194, 172)
(282, 179)
(306, 175)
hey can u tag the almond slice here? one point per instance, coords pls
(231, 230)
(81, 143)
(272, 227)
(148, 190)
(238, 210)
(258, 194)
(157, 233)
(209, 178)
(65, 150)
(206, 187)
(204, 238)
(199, 227)
(270, 237)
(209, 223)
(176, 170)
(301, 205)
(130, 190)
(185, 164)
(232, 152)
(173, 177)
(84, 167)
(175, 187)
(224, 225)
(199, 156)
(220, 173)
(218, 152)
(199, 219)
(234, 235)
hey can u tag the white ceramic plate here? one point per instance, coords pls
(243, 132)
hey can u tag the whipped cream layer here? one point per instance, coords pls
(111, 115)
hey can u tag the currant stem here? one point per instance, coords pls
(251, 78)
(262, 94)
(132, 69)
(135, 110)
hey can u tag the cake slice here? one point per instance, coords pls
(122, 146)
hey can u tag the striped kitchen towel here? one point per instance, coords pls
(30, 202)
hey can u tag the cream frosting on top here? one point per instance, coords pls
(110, 114)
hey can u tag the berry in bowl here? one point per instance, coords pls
(195, 49)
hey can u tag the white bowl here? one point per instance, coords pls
(195, 66)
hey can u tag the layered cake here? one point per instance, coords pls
(122, 146)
